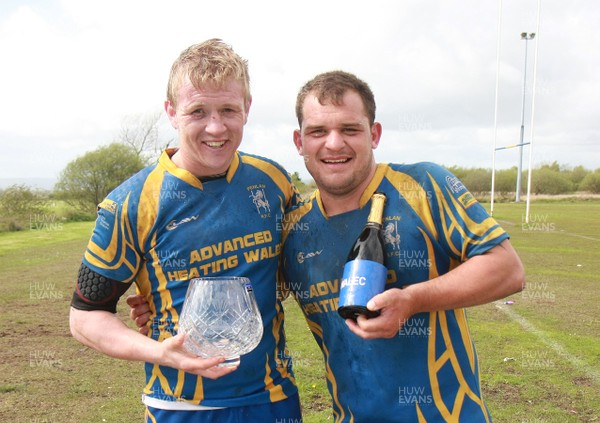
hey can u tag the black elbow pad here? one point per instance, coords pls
(97, 292)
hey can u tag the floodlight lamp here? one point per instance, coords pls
(523, 35)
(532, 36)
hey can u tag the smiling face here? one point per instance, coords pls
(210, 122)
(337, 143)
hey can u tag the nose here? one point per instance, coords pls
(334, 141)
(215, 124)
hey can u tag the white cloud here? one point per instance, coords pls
(73, 70)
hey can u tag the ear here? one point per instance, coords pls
(171, 113)
(376, 130)
(298, 140)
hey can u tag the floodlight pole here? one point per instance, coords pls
(526, 37)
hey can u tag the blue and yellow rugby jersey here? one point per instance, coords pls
(429, 371)
(163, 227)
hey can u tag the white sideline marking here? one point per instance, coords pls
(580, 236)
(579, 364)
(562, 231)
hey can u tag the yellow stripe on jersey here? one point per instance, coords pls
(420, 416)
(147, 210)
(235, 162)
(414, 194)
(168, 165)
(433, 270)
(290, 217)
(445, 358)
(148, 204)
(373, 185)
(149, 417)
(180, 381)
(278, 323)
(275, 392)
(318, 331)
(274, 173)
(164, 384)
(199, 392)
(465, 334)
(115, 257)
(454, 225)
(165, 295)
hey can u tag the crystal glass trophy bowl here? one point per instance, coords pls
(221, 318)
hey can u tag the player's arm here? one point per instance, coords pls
(94, 324)
(490, 276)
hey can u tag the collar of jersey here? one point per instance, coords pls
(373, 185)
(367, 193)
(166, 162)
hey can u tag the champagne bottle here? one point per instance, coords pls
(364, 272)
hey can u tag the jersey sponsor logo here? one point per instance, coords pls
(227, 254)
(302, 256)
(108, 205)
(467, 199)
(173, 224)
(455, 184)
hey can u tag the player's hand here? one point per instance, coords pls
(139, 312)
(176, 356)
(395, 308)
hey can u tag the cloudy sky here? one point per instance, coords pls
(72, 71)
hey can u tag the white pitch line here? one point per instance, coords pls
(562, 231)
(580, 236)
(579, 364)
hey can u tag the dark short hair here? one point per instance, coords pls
(331, 86)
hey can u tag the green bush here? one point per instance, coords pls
(506, 180)
(548, 181)
(477, 180)
(591, 182)
(17, 204)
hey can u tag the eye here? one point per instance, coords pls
(318, 132)
(351, 131)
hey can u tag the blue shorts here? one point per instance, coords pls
(286, 411)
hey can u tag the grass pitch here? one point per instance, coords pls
(539, 355)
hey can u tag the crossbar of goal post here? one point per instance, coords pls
(512, 146)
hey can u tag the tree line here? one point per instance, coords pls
(88, 179)
(546, 179)
(85, 181)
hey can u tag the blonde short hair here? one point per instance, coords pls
(212, 61)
